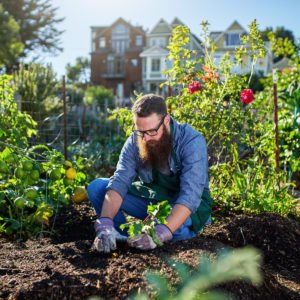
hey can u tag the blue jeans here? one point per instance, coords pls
(133, 206)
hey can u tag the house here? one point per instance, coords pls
(229, 40)
(284, 63)
(115, 57)
(155, 55)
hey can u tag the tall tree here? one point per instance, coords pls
(79, 73)
(11, 45)
(37, 21)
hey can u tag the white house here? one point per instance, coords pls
(155, 55)
(229, 40)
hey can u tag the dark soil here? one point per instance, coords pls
(64, 266)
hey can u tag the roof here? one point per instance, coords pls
(176, 22)
(155, 50)
(161, 27)
(234, 23)
(119, 20)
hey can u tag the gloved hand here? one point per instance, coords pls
(145, 242)
(107, 235)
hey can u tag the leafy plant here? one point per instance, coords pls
(34, 181)
(251, 187)
(37, 88)
(240, 264)
(157, 214)
(15, 127)
(240, 136)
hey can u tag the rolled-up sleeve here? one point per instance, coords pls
(194, 172)
(126, 170)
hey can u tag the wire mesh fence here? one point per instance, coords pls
(71, 125)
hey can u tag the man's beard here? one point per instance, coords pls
(156, 153)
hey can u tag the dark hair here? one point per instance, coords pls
(149, 104)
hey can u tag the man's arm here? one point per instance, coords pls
(178, 216)
(111, 205)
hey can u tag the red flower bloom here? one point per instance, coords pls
(247, 96)
(194, 87)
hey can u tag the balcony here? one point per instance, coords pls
(115, 69)
(112, 75)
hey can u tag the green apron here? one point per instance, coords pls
(165, 187)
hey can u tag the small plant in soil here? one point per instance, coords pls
(157, 214)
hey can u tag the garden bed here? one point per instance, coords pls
(64, 266)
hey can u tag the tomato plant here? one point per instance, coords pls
(34, 181)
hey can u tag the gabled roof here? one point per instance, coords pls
(161, 27)
(176, 22)
(215, 34)
(119, 20)
(282, 64)
(235, 23)
(155, 50)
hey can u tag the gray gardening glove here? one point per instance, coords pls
(106, 235)
(145, 242)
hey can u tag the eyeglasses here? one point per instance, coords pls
(150, 132)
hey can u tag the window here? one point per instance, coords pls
(110, 64)
(139, 40)
(162, 42)
(233, 39)
(153, 87)
(120, 38)
(153, 42)
(134, 62)
(155, 65)
(102, 42)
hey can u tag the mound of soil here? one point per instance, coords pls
(64, 266)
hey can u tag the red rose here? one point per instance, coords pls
(247, 96)
(194, 87)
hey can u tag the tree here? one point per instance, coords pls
(11, 45)
(38, 88)
(280, 32)
(79, 72)
(99, 95)
(37, 21)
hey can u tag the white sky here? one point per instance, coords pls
(80, 15)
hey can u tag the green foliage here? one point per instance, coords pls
(101, 156)
(37, 21)
(289, 118)
(37, 87)
(284, 36)
(215, 110)
(282, 47)
(79, 72)
(240, 138)
(75, 94)
(288, 86)
(11, 45)
(240, 264)
(15, 127)
(29, 192)
(157, 214)
(250, 186)
(99, 95)
(33, 187)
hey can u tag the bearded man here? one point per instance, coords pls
(161, 160)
